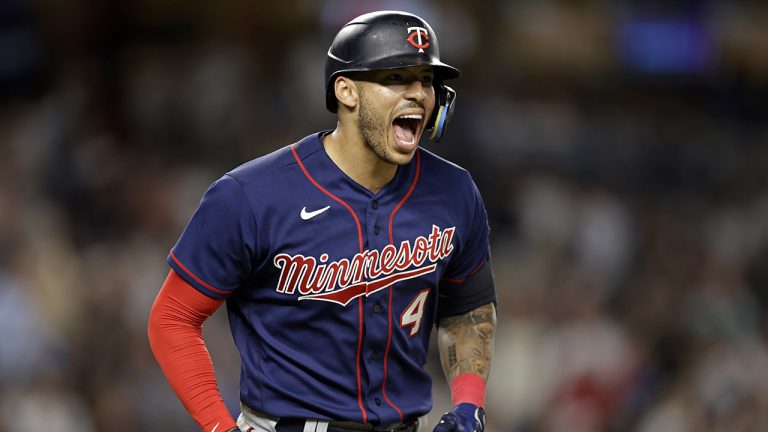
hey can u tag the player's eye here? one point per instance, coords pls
(394, 78)
(397, 78)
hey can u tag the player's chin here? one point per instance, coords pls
(405, 148)
(400, 154)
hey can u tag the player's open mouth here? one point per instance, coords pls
(406, 129)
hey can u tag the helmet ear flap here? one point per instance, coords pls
(443, 113)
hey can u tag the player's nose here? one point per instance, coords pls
(416, 91)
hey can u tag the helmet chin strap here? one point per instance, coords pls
(444, 113)
(439, 127)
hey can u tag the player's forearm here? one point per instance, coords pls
(175, 336)
(466, 342)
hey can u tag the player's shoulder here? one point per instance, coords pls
(268, 168)
(443, 169)
(264, 165)
(427, 157)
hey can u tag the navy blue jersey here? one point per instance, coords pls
(332, 291)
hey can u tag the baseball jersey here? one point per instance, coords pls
(332, 290)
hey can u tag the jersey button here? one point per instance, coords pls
(377, 401)
(377, 308)
(376, 230)
(375, 204)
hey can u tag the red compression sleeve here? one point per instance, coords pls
(468, 387)
(176, 336)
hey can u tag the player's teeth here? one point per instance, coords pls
(411, 116)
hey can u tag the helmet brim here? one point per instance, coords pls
(442, 71)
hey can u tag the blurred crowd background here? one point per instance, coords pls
(621, 148)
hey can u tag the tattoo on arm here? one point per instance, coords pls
(466, 342)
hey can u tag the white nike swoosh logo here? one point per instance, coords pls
(215, 427)
(309, 215)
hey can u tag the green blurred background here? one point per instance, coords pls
(621, 147)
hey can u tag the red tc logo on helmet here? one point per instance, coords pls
(418, 37)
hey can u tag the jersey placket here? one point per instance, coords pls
(377, 317)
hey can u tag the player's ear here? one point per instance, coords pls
(347, 92)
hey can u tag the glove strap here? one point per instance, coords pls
(468, 387)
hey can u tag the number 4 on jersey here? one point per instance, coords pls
(414, 311)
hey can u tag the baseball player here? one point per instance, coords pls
(336, 255)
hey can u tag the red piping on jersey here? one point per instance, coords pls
(360, 300)
(357, 361)
(407, 195)
(477, 269)
(192, 275)
(386, 358)
(392, 241)
(334, 197)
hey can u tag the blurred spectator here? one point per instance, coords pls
(625, 175)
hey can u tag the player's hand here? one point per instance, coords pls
(464, 417)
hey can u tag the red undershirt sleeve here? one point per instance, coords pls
(176, 336)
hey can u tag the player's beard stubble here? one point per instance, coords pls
(374, 129)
